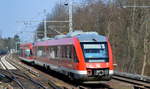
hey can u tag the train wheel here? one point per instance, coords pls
(44, 66)
(47, 68)
(32, 63)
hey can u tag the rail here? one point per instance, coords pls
(138, 81)
(33, 72)
(26, 74)
(13, 76)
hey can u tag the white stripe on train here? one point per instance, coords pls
(59, 69)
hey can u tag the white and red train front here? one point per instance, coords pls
(25, 52)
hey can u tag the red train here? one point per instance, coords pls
(26, 52)
(84, 56)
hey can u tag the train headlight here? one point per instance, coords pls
(89, 72)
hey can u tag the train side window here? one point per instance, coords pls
(62, 51)
(69, 52)
(44, 54)
(59, 52)
(55, 51)
(75, 59)
(51, 52)
(65, 51)
(41, 52)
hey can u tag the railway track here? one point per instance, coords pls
(13, 77)
(22, 79)
(54, 83)
(58, 81)
(138, 82)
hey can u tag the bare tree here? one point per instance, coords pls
(126, 28)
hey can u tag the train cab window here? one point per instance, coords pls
(27, 53)
(95, 52)
(31, 52)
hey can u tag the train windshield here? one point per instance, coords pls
(28, 52)
(95, 52)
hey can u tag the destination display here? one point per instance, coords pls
(94, 46)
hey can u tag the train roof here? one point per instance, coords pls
(26, 45)
(62, 41)
(87, 36)
(68, 38)
(91, 38)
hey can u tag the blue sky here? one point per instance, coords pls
(14, 12)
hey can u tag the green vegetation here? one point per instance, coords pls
(9, 43)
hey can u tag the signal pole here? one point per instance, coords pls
(70, 21)
(45, 29)
(0, 33)
(70, 16)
